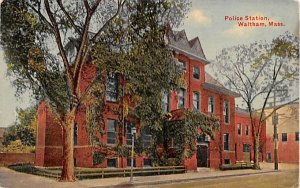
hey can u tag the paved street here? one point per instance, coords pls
(267, 177)
(270, 180)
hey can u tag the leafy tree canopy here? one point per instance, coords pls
(24, 129)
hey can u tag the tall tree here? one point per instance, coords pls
(255, 71)
(48, 43)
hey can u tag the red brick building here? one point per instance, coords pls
(244, 142)
(201, 92)
(288, 135)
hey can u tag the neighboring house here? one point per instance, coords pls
(288, 134)
(201, 92)
(244, 143)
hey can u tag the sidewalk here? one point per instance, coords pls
(174, 178)
(10, 178)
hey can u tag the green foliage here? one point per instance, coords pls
(24, 129)
(16, 146)
(184, 133)
(98, 157)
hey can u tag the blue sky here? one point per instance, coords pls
(205, 20)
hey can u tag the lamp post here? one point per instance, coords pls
(133, 131)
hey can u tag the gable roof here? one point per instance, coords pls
(178, 41)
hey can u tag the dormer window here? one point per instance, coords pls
(196, 73)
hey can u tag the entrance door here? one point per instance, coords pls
(246, 152)
(202, 156)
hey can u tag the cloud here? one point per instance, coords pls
(199, 17)
(240, 31)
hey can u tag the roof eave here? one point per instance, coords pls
(228, 92)
(192, 56)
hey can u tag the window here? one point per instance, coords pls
(181, 65)
(166, 102)
(146, 137)
(97, 157)
(111, 131)
(296, 136)
(268, 157)
(181, 98)
(111, 163)
(239, 129)
(147, 162)
(111, 88)
(247, 130)
(75, 137)
(196, 101)
(201, 138)
(284, 137)
(211, 104)
(196, 73)
(226, 141)
(129, 126)
(226, 161)
(246, 148)
(129, 162)
(226, 111)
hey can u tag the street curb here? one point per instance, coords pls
(180, 180)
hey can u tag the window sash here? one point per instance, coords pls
(111, 88)
(146, 137)
(181, 98)
(211, 104)
(226, 141)
(196, 72)
(226, 111)
(247, 130)
(239, 129)
(284, 137)
(181, 65)
(111, 131)
(196, 101)
(75, 137)
(111, 163)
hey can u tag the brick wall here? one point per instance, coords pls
(16, 158)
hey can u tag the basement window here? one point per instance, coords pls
(226, 161)
(296, 136)
(147, 162)
(112, 163)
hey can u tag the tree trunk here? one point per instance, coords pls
(256, 152)
(68, 172)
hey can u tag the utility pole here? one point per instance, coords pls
(275, 122)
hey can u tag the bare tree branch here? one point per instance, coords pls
(60, 46)
(76, 28)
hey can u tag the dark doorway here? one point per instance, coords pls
(202, 152)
